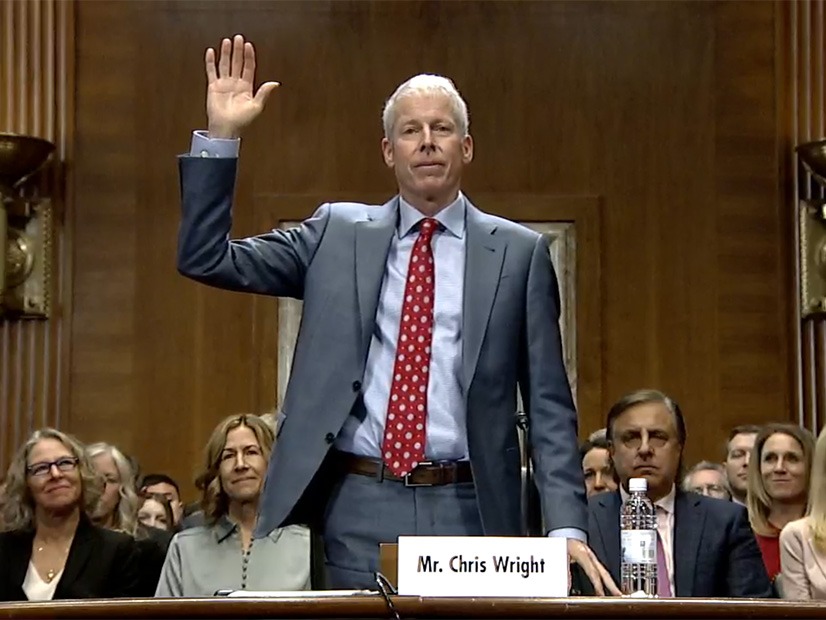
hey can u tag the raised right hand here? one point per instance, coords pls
(231, 105)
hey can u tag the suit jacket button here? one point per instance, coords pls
(329, 438)
(356, 386)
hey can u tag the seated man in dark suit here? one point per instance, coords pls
(708, 548)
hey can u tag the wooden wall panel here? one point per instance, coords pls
(36, 98)
(666, 111)
(804, 115)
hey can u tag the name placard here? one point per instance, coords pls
(482, 566)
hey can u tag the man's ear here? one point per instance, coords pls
(467, 149)
(387, 152)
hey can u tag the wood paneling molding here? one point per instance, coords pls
(803, 119)
(36, 98)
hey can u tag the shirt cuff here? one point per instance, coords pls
(569, 532)
(204, 146)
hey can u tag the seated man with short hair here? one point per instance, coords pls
(705, 547)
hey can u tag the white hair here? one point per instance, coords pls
(125, 518)
(706, 466)
(427, 85)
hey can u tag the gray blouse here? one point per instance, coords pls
(204, 559)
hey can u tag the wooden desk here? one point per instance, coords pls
(413, 607)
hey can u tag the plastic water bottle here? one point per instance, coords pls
(638, 525)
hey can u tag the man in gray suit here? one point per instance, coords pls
(420, 317)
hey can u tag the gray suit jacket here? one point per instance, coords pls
(715, 553)
(335, 263)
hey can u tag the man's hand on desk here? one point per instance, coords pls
(581, 553)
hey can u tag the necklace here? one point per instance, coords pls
(52, 573)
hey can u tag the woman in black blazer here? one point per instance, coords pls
(49, 548)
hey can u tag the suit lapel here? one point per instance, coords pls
(608, 526)
(689, 521)
(485, 253)
(79, 555)
(372, 244)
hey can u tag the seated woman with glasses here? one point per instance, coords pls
(49, 547)
(222, 555)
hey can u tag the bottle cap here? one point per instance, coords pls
(637, 484)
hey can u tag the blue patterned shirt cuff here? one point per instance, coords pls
(569, 532)
(204, 146)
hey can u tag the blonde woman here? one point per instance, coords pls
(222, 555)
(50, 548)
(118, 508)
(778, 485)
(803, 542)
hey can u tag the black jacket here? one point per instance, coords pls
(100, 564)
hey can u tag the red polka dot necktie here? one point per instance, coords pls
(404, 429)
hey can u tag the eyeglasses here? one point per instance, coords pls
(709, 490)
(65, 465)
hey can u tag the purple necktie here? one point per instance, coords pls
(663, 584)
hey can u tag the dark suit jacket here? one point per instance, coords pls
(152, 545)
(335, 262)
(715, 553)
(101, 564)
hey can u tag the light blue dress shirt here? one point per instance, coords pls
(446, 434)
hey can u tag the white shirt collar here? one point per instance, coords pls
(452, 217)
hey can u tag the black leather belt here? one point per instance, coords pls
(426, 473)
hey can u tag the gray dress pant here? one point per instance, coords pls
(363, 512)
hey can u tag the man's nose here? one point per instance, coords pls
(427, 139)
(645, 447)
(599, 483)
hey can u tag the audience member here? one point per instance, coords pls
(204, 559)
(118, 508)
(597, 467)
(50, 548)
(161, 484)
(156, 511)
(709, 479)
(598, 435)
(803, 542)
(778, 485)
(738, 449)
(705, 546)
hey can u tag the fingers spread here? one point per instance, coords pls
(223, 61)
(265, 91)
(237, 56)
(248, 73)
(594, 576)
(209, 61)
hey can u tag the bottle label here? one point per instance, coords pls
(639, 546)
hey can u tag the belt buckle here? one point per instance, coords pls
(413, 485)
